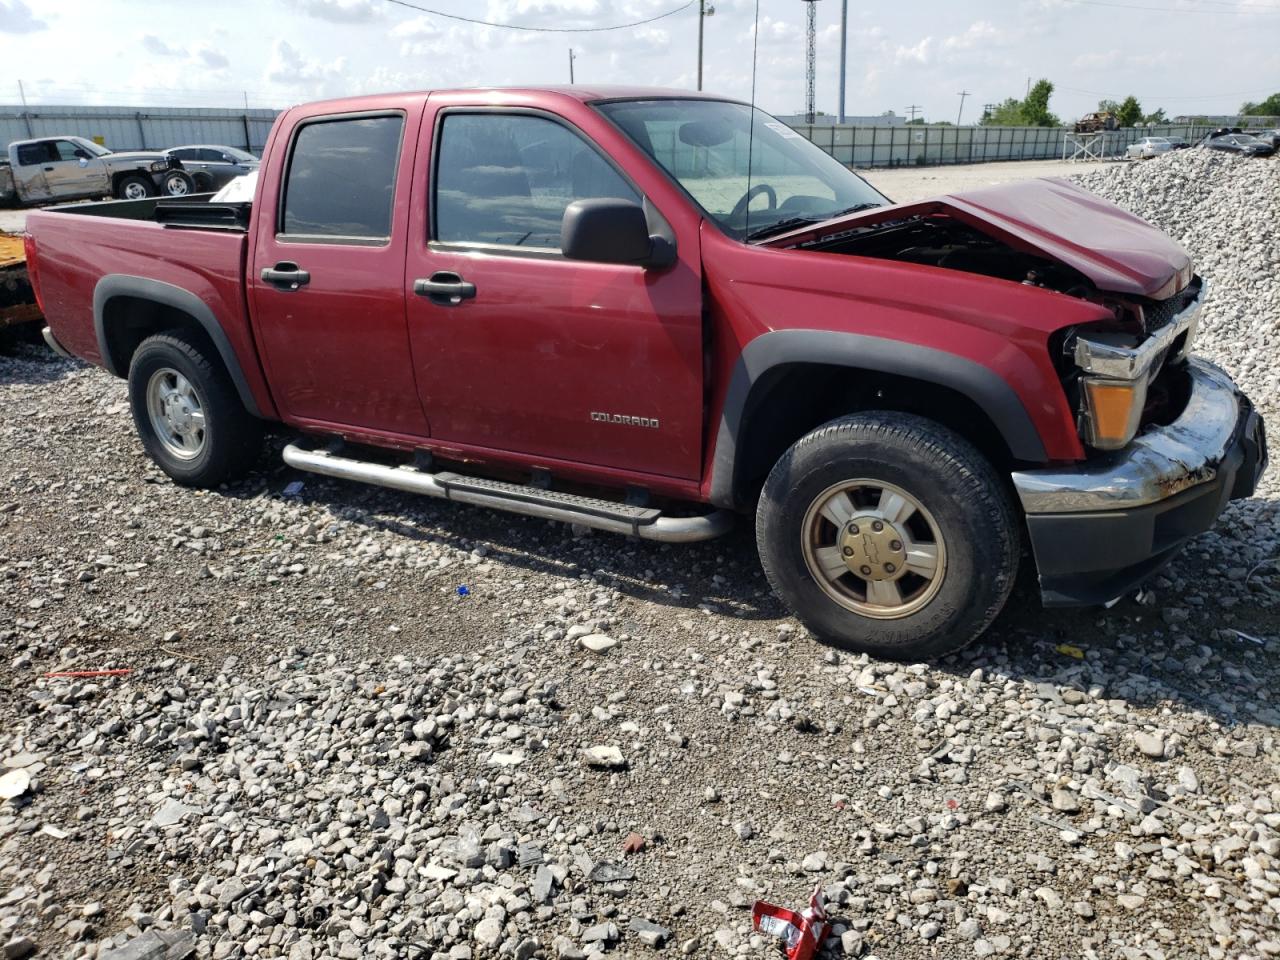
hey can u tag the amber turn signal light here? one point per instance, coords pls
(1113, 409)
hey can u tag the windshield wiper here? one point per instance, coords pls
(778, 226)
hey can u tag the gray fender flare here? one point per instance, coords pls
(142, 288)
(981, 385)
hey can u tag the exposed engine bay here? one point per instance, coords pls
(942, 241)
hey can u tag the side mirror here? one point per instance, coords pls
(81, 155)
(612, 231)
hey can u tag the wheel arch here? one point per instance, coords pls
(788, 382)
(127, 310)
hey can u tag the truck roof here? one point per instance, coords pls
(585, 93)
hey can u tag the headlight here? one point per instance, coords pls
(159, 165)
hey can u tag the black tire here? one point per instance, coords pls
(231, 437)
(964, 500)
(135, 180)
(177, 183)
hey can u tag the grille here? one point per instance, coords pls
(1160, 313)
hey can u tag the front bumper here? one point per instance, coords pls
(1101, 527)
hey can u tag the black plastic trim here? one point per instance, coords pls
(141, 288)
(860, 352)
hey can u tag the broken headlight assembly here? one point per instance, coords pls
(1110, 373)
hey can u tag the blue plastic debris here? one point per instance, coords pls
(464, 591)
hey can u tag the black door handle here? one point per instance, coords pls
(50, 169)
(445, 288)
(286, 275)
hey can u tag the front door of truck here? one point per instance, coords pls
(327, 270)
(72, 172)
(520, 350)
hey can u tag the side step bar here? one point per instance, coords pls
(643, 522)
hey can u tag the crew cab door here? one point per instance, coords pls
(519, 350)
(28, 164)
(326, 270)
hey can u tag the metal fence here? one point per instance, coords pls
(932, 146)
(139, 128)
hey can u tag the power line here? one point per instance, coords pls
(517, 26)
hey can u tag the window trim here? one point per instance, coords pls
(507, 249)
(330, 239)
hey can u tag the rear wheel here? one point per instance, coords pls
(889, 534)
(188, 414)
(135, 187)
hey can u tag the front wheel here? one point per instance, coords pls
(177, 183)
(188, 414)
(135, 187)
(889, 534)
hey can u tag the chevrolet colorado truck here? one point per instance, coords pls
(646, 311)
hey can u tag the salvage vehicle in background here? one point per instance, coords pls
(213, 167)
(1238, 143)
(1267, 136)
(588, 305)
(70, 168)
(1149, 147)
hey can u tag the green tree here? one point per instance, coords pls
(1006, 114)
(1130, 111)
(1035, 108)
(1269, 107)
(1108, 106)
(1157, 117)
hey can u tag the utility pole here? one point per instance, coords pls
(913, 109)
(844, 47)
(962, 94)
(704, 10)
(26, 115)
(571, 66)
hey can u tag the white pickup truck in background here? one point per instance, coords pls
(70, 168)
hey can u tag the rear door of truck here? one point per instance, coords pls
(326, 277)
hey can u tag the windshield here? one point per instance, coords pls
(91, 147)
(706, 145)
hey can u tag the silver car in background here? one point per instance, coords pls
(1149, 147)
(211, 166)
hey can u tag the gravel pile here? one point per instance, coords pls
(1226, 211)
(362, 724)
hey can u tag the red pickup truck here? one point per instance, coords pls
(645, 311)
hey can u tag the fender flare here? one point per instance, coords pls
(857, 351)
(142, 288)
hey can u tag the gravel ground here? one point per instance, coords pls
(325, 748)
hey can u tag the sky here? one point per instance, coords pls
(1187, 56)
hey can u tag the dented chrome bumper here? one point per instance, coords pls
(1101, 526)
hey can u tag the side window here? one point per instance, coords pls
(341, 179)
(30, 154)
(66, 150)
(210, 156)
(507, 178)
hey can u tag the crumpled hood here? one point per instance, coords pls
(1054, 218)
(146, 156)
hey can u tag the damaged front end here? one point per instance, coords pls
(1168, 439)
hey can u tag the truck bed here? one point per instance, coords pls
(189, 244)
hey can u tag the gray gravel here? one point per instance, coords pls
(323, 750)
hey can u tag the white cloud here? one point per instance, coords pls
(339, 11)
(211, 58)
(153, 44)
(922, 52)
(980, 34)
(290, 68)
(16, 17)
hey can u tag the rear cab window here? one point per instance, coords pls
(339, 186)
(505, 179)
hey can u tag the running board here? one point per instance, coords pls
(646, 523)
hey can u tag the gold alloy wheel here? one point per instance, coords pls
(873, 548)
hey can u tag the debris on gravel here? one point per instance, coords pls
(323, 749)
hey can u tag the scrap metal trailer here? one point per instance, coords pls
(17, 300)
